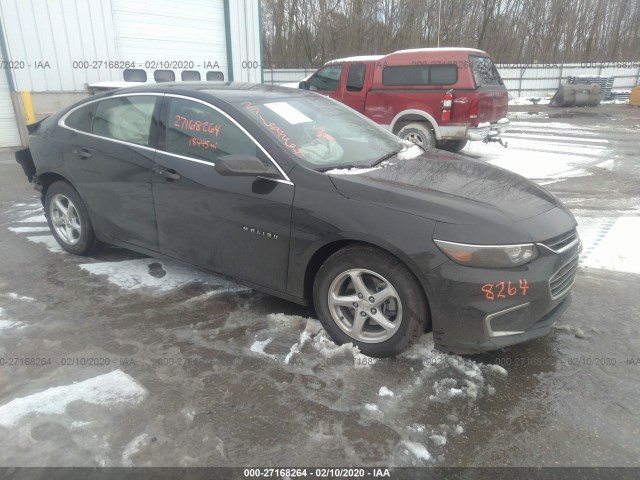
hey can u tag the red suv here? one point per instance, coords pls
(435, 97)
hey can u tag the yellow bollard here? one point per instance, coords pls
(27, 105)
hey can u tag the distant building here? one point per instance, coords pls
(53, 50)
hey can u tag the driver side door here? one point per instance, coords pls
(235, 225)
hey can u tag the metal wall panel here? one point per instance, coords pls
(157, 33)
(50, 35)
(9, 135)
(246, 48)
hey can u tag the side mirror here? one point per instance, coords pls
(303, 85)
(243, 166)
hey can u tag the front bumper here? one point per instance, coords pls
(488, 130)
(477, 309)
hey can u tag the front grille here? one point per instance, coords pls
(556, 244)
(563, 279)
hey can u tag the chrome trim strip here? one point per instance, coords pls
(487, 322)
(484, 246)
(61, 123)
(563, 249)
(567, 288)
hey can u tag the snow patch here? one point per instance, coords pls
(311, 328)
(259, 345)
(352, 171)
(132, 448)
(135, 274)
(29, 229)
(417, 449)
(372, 407)
(410, 152)
(34, 219)
(385, 392)
(10, 325)
(48, 241)
(110, 389)
(438, 440)
(15, 296)
(610, 243)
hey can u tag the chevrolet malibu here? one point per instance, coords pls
(298, 196)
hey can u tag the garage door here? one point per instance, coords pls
(9, 136)
(160, 31)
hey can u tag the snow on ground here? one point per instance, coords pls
(546, 153)
(610, 243)
(111, 389)
(417, 449)
(34, 219)
(530, 100)
(48, 241)
(151, 273)
(15, 296)
(29, 229)
(7, 323)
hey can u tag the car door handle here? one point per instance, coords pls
(168, 174)
(83, 153)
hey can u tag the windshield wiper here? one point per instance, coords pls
(386, 157)
(340, 167)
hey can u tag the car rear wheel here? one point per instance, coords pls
(418, 133)
(368, 297)
(68, 219)
(452, 145)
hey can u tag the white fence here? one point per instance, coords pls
(521, 80)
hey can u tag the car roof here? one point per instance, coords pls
(227, 91)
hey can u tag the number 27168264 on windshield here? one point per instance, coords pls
(500, 290)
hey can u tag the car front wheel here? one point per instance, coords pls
(368, 297)
(68, 219)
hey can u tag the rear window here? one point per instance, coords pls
(82, 118)
(484, 71)
(446, 74)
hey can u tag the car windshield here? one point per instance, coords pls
(322, 133)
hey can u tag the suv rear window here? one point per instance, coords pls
(446, 74)
(484, 71)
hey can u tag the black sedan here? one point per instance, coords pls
(301, 197)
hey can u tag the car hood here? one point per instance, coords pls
(447, 188)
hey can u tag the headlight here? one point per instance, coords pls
(488, 256)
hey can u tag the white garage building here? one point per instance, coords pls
(55, 49)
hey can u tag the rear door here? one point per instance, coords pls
(234, 225)
(492, 95)
(108, 148)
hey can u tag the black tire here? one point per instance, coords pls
(418, 133)
(412, 305)
(76, 225)
(452, 145)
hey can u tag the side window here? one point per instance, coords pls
(198, 131)
(443, 74)
(355, 80)
(326, 79)
(125, 118)
(82, 118)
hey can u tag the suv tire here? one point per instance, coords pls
(418, 133)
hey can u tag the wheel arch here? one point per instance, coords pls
(322, 253)
(414, 115)
(46, 179)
